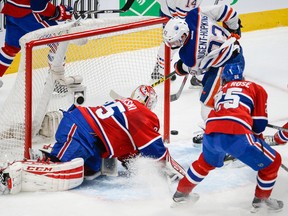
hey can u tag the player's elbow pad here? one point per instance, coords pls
(180, 68)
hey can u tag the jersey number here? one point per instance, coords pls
(229, 100)
(107, 110)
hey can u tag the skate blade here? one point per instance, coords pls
(191, 200)
(264, 210)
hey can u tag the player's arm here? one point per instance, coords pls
(47, 9)
(156, 150)
(259, 113)
(183, 7)
(225, 14)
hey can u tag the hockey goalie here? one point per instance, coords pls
(33, 175)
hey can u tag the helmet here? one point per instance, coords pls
(173, 32)
(232, 72)
(145, 95)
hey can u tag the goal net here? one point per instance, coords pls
(109, 54)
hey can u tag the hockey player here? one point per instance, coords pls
(170, 9)
(235, 126)
(279, 138)
(123, 129)
(205, 46)
(23, 16)
(33, 175)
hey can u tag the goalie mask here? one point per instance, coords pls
(175, 32)
(145, 95)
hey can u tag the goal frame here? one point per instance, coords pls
(78, 35)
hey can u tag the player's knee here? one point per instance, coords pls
(272, 170)
(11, 51)
(203, 165)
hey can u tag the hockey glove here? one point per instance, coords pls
(181, 69)
(62, 13)
(235, 33)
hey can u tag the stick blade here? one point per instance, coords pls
(114, 95)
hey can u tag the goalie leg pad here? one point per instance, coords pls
(11, 179)
(43, 176)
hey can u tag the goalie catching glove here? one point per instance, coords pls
(31, 175)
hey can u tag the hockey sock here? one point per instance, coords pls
(7, 55)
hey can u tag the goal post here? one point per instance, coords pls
(117, 53)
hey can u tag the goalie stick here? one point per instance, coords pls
(126, 7)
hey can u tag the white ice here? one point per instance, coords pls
(226, 191)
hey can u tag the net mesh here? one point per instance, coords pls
(120, 61)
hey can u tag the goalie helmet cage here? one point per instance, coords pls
(112, 53)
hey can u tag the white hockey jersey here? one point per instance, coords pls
(180, 8)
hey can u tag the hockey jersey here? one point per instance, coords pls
(209, 45)
(21, 8)
(177, 8)
(240, 107)
(125, 127)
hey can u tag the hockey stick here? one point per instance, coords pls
(231, 158)
(163, 79)
(114, 95)
(126, 7)
(277, 127)
(176, 96)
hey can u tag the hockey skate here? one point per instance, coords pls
(184, 199)
(272, 205)
(195, 83)
(198, 140)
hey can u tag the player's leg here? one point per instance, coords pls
(199, 169)
(211, 84)
(11, 45)
(72, 141)
(262, 158)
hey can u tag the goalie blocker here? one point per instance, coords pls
(32, 175)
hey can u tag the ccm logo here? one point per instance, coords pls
(39, 169)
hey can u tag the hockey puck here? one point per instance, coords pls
(174, 132)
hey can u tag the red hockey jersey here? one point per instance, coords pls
(125, 126)
(239, 108)
(21, 8)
